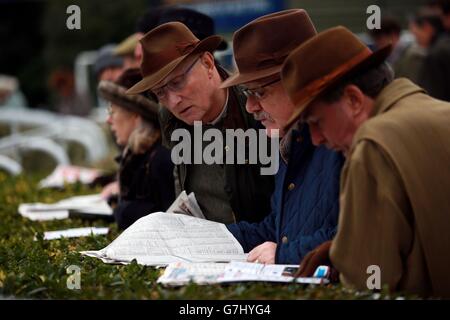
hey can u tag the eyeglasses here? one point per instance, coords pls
(174, 85)
(260, 91)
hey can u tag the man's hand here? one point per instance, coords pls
(264, 253)
(320, 256)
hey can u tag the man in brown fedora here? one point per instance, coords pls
(394, 224)
(180, 70)
(305, 200)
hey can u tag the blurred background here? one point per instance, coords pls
(50, 113)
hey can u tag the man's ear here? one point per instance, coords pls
(207, 60)
(355, 99)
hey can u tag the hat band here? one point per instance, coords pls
(261, 60)
(186, 47)
(315, 87)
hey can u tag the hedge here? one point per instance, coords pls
(37, 269)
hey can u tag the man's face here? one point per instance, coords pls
(331, 124)
(110, 74)
(423, 33)
(386, 39)
(269, 103)
(138, 49)
(130, 62)
(187, 91)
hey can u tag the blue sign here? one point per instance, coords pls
(230, 15)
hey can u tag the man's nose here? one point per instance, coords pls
(173, 99)
(109, 119)
(252, 105)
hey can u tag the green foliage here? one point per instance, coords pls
(37, 269)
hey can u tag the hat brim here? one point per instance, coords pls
(376, 58)
(208, 44)
(139, 104)
(223, 45)
(241, 78)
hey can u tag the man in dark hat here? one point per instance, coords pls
(107, 65)
(180, 70)
(394, 204)
(200, 24)
(305, 200)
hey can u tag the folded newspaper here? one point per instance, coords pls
(186, 204)
(162, 238)
(80, 205)
(182, 273)
(74, 233)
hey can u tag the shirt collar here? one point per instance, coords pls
(222, 113)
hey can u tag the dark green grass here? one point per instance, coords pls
(37, 269)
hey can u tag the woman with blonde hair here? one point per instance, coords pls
(145, 177)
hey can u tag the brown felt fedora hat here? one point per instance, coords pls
(322, 61)
(164, 48)
(261, 46)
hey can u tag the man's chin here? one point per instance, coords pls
(188, 120)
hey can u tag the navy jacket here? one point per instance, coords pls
(305, 203)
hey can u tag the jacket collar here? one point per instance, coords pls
(298, 134)
(392, 93)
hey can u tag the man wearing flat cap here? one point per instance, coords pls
(394, 202)
(180, 70)
(305, 200)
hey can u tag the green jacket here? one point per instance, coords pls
(247, 191)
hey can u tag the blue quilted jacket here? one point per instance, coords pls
(305, 203)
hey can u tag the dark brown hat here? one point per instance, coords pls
(261, 46)
(164, 48)
(322, 61)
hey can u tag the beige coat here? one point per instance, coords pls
(395, 195)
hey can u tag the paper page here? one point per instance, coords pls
(247, 271)
(43, 215)
(60, 210)
(160, 238)
(193, 204)
(181, 273)
(74, 233)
